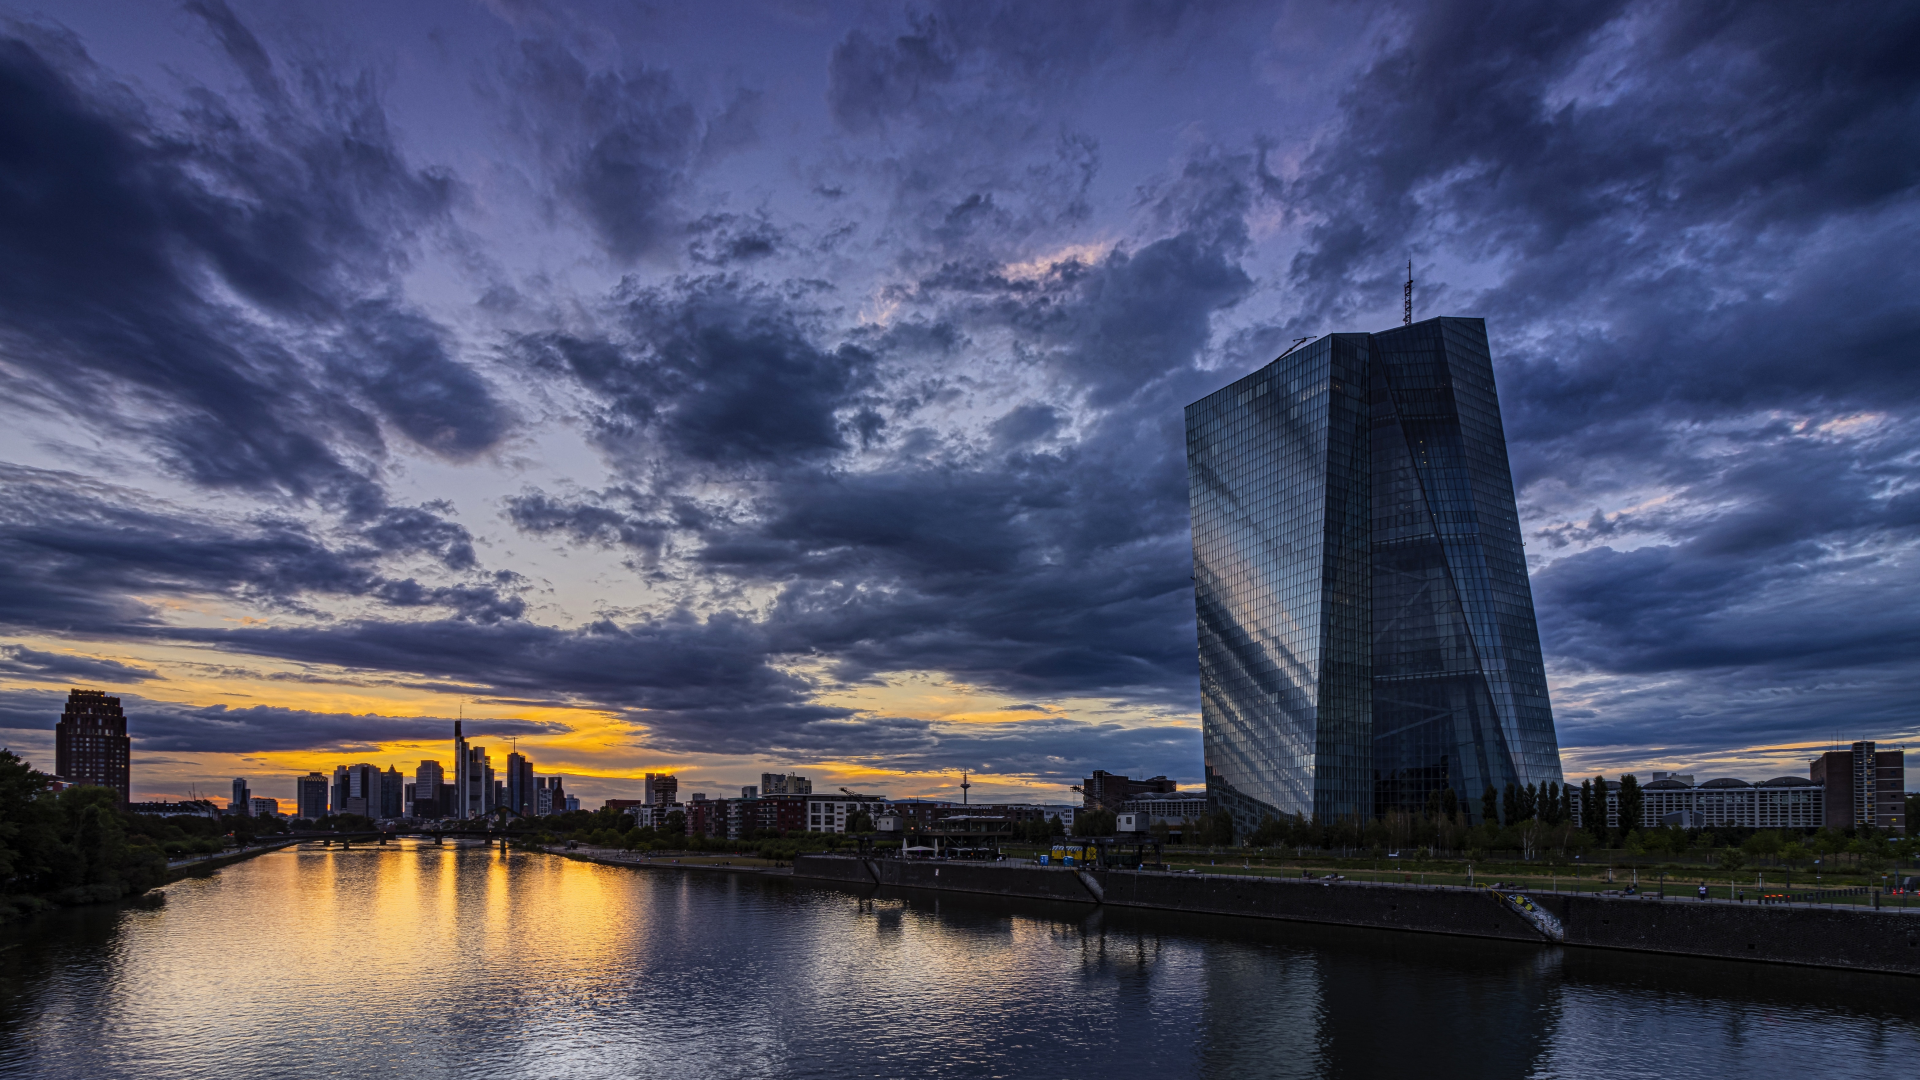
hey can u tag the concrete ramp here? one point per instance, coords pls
(1536, 916)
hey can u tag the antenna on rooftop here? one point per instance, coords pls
(963, 789)
(1406, 315)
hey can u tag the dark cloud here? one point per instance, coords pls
(719, 372)
(143, 256)
(623, 145)
(171, 727)
(21, 662)
(82, 558)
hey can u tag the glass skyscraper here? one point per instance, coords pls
(1367, 635)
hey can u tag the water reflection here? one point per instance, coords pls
(428, 961)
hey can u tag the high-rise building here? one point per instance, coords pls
(519, 783)
(1366, 626)
(1864, 786)
(393, 794)
(663, 789)
(461, 759)
(241, 795)
(339, 793)
(426, 789)
(310, 796)
(473, 782)
(365, 790)
(90, 744)
(785, 784)
(259, 807)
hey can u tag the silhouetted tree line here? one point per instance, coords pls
(71, 847)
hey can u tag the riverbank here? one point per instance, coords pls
(1858, 940)
(734, 864)
(185, 868)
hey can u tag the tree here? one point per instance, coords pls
(1450, 803)
(1566, 802)
(1270, 833)
(1219, 831)
(1510, 803)
(1731, 859)
(1596, 820)
(859, 822)
(1490, 806)
(1631, 800)
(1094, 823)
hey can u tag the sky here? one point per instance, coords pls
(741, 387)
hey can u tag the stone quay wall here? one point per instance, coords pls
(1886, 941)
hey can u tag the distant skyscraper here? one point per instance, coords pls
(785, 784)
(426, 790)
(663, 789)
(393, 794)
(310, 796)
(339, 789)
(461, 759)
(90, 744)
(241, 794)
(365, 789)
(1367, 634)
(519, 783)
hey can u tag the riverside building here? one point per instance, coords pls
(1864, 786)
(90, 744)
(1366, 627)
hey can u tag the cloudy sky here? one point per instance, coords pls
(746, 386)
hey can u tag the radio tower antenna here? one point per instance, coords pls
(1406, 313)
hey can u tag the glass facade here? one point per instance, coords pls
(1366, 626)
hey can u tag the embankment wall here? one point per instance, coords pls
(1819, 937)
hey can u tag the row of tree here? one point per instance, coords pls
(75, 846)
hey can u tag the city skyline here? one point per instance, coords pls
(799, 389)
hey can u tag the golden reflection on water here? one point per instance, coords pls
(421, 960)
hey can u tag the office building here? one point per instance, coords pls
(393, 794)
(1864, 786)
(785, 784)
(1110, 790)
(474, 786)
(1366, 627)
(750, 792)
(662, 788)
(90, 744)
(520, 784)
(358, 789)
(1784, 802)
(262, 807)
(428, 777)
(310, 796)
(829, 813)
(239, 804)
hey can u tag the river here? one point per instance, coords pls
(413, 960)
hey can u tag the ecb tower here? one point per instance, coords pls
(1367, 637)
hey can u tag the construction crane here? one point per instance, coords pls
(1097, 800)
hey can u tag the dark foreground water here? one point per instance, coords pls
(419, 961)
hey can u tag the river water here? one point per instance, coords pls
(421, 961)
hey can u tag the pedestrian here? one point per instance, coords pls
(1703, 890)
